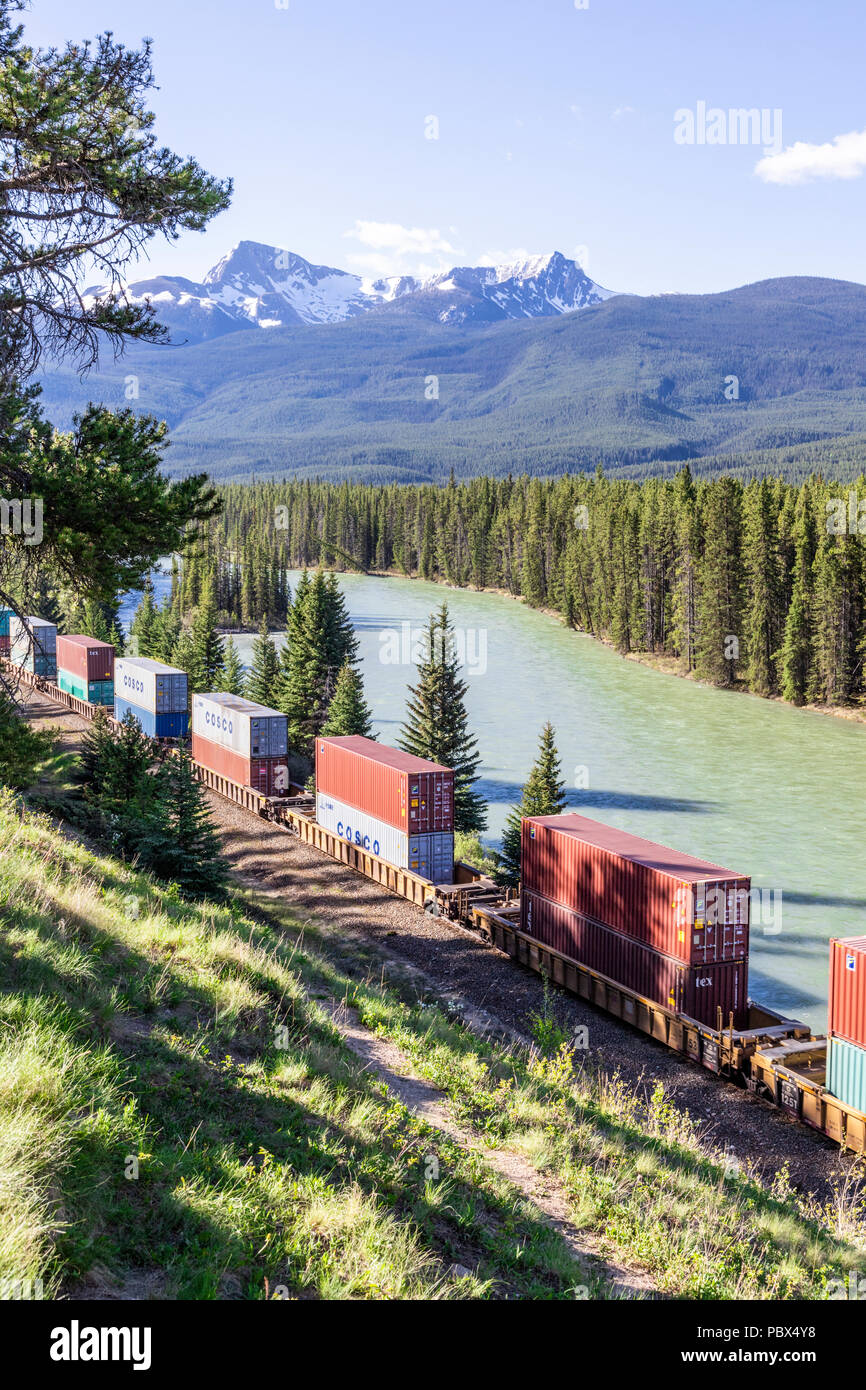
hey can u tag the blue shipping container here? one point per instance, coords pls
(155, 725)
(5, 615)
(846, 1073)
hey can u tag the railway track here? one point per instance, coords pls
(776, 1058)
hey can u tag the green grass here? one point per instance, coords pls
(637, 1170)
(178, 1114)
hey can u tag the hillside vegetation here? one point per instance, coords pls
(180, 1117)
(393, 396)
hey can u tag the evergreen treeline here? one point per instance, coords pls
(761, 583)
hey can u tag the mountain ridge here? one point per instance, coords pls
(255, 285)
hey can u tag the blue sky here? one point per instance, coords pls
(555, 131)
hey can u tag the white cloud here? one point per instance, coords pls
(393, 249)
(621, 111)
(841, 158)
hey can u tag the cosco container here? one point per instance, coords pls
(33, 645)
(430, 855)
(270, 776)
(4, 645)
(252, 730)
(174, 724)
(407, 792)
(696, 990)
(151, 685)
(848, 989)
(5, 615)
(96, 692)
(86, 657)
(683, 907)
(846, 1072)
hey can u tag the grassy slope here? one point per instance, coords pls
(135, 1025)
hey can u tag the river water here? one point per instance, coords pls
(762, 788)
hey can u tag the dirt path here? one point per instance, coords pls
(491, 992)
(389, 1064)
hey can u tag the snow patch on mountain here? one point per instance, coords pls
(258, 286)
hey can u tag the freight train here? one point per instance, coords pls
(654, 937)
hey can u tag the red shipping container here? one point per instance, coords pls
(86, 657)
(696, 990)
(4, 645)
(410, 793)
(848, 989)
(681, 906)
(270, 776)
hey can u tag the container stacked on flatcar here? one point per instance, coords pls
(846, 1045)
(399, 807)
(157, 696)
(241, 740)
(666, 926)
(5, 615)
(33, 645)
(85, 668)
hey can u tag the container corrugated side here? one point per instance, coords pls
(698, 991)
(95, 692)
(270, 776)
(576, 862)
(4, 645)
(848, 989)
(151, 685)
(409, 793)
(846, 1072)
(86, 657)
(253, 730)
(431, 855)
(5, 615)
(172, 725)
(33, 645)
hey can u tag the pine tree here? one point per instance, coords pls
(437, 725)
(145, 624)
(208, 647)
(307, 678)
(263, 676)
(186, 848)
(348, 712)
(543, 795)
(232, 678)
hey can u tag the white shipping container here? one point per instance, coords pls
(32, 639)
(431, 855)
(247, 728)
(151, 685)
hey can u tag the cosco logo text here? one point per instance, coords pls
(362, 841)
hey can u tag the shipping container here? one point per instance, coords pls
(270, 776)
(429, 855)
(33, 645)
(848, 989)
(174, 724)
(684, 907)
(696, 990)
(252, 730)
(409, 793)
(5, 615)
(846, 1072)
(86, 657)
(4, 645)
(96, 692)
(151, 685)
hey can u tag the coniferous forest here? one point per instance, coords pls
(760, 584)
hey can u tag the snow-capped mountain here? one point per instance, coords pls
(265, 287)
